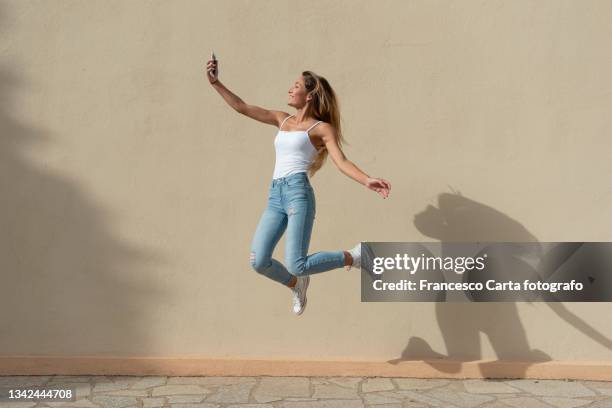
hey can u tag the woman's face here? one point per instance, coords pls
(298, 94)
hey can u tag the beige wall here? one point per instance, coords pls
(131, 191)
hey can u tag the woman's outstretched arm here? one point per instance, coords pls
(381, 186)
(270, 117)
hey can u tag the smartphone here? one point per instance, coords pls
(214, 71)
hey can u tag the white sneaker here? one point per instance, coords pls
(356, 255)
(361, 261)
(299, 294)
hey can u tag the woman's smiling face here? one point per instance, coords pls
(298, 95)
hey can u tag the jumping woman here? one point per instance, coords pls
(302, 144)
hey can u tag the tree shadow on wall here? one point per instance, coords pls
(460, 219)
(70, 284)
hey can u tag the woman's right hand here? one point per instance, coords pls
(212, 71)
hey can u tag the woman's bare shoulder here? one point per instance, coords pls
(280, 117)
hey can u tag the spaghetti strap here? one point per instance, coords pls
(308, 130)
(283, 122)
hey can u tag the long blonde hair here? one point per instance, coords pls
(324, 106)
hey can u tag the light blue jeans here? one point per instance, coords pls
(291, 207)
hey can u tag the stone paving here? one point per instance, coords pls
(315, 392)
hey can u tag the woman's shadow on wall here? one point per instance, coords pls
(460, 219)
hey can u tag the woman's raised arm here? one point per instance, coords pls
(270, 117)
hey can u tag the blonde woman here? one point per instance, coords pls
(302, 144)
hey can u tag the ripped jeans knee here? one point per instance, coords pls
(258, 264)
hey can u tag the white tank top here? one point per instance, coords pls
(294, 151)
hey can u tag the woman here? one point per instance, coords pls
(302, 144)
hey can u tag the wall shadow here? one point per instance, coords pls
(460, 219)
(71, 286)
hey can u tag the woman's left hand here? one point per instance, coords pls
(381, 186)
